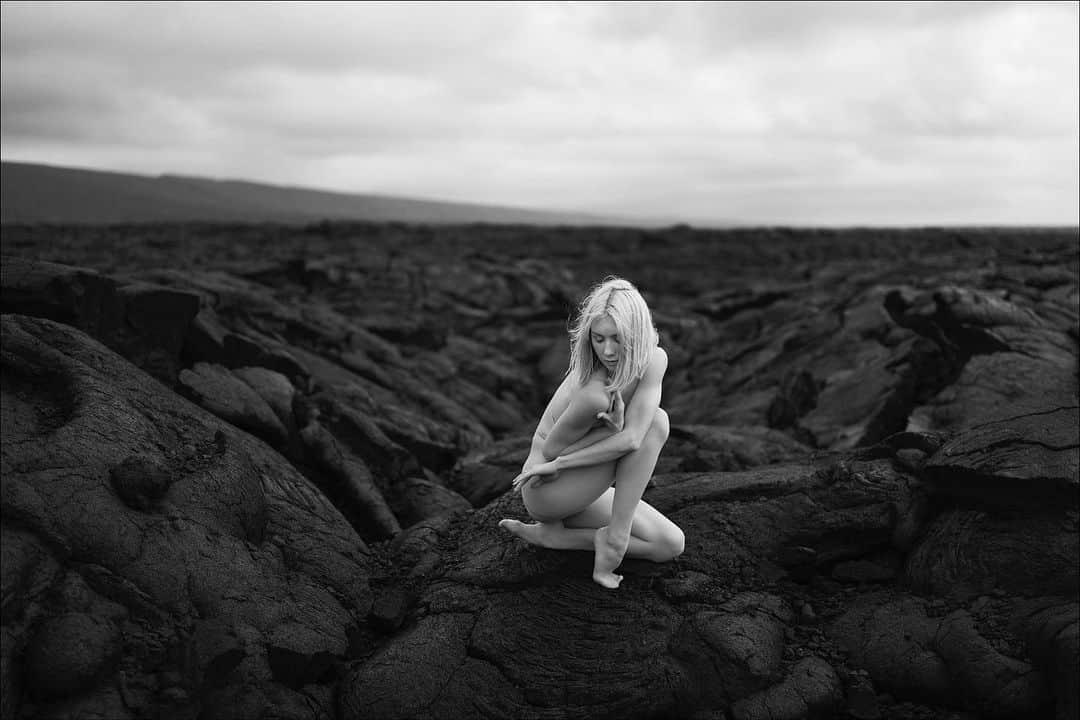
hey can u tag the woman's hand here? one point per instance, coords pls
(616, 414)
(536, 474)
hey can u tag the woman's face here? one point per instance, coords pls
(606, 342)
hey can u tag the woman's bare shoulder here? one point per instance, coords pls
(658, 360)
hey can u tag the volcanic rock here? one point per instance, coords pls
(857, 415)
(240, 537)
(1051, 630)
(144, 322)
(230, 398)
(69, 653)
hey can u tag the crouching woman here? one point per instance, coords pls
(596, 445)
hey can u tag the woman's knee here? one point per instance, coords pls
(660, 427)
(670, 544)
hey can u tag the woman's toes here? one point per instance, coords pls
(609, 556)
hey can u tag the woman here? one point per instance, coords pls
(596, 445)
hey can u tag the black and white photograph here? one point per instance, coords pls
(540, 360)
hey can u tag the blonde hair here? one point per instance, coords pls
(621, 301)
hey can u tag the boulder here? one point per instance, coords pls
(965, 553)
(70, 653)
(871, 400)
(796, 396)
(415, 499)
(485, 474)
(703, 448)
(275, 390)
(1008, 495)
(992, 684)
(350, 483)
(495, 371)
(912, 653)
(893, 638)
(1050, 627)
(224, 394)
(1032, 458)
(795, 520)
(998, 386)
(144, 322)
(811, 689)
(141, 481)
(232, 533)
(734, 651)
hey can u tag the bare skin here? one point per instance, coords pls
(591, 460)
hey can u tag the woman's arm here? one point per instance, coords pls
(576, 421)
(639, 417)
(591, 438)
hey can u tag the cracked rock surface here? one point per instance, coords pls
(257, 471)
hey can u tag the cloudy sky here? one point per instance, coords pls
(802, 113)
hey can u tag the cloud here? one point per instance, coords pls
(823, 111)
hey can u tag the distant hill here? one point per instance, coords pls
(33, 193)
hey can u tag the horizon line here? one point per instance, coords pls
(600, 219)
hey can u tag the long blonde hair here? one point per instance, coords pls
(621, 301)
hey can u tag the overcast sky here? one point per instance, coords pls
(777, 113)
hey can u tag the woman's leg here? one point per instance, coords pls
(596, 525)
(570, 493)
(652, 536)
(548, 503)
(555, 534)
(632, 474)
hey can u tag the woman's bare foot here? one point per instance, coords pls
(609, 555)
(532, 533)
